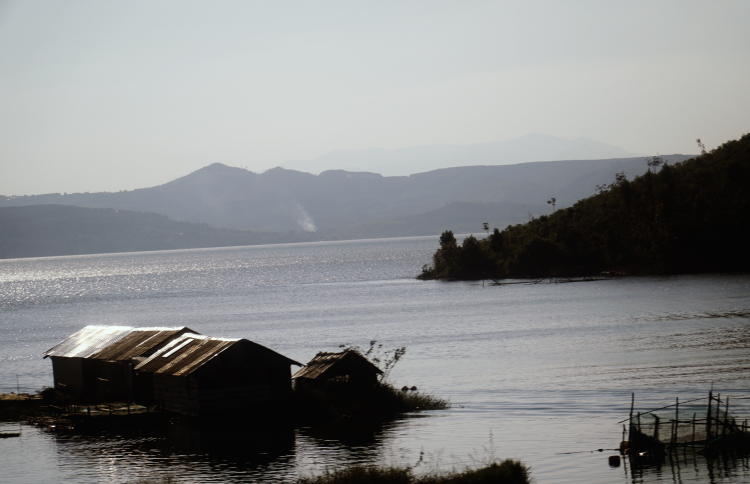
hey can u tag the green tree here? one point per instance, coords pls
(497, 241)
(654, 162)
(447, 238)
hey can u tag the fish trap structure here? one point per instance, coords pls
(705, 424)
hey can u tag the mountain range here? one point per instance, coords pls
(408, 161)
(337, 203)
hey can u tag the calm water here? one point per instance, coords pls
(539, 372)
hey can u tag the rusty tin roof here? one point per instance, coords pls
(113, 343)
(189, 352)
(323, 362)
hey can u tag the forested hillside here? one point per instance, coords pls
(685, 217)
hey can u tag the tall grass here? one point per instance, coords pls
(505, 472)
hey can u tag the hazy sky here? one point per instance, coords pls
(112, 95)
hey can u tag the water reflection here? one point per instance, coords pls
(212, 451)
(547, 368)
(688, 466)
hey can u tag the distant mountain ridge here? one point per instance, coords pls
(337, 202)
(55, 230)
(419, 159)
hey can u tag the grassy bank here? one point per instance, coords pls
(379, 402)
(504, 472)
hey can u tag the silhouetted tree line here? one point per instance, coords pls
(684, 218)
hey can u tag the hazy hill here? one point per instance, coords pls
(50, 230)
(54, 230)
(281, 200)
(462, 217)
(408, 161)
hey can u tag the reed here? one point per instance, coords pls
(504, 472)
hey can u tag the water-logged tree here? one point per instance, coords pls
(444, 260)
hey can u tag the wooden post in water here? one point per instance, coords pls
(630, 422)
(726, 418)
(671, 436)
(693, 439)
(708, 416)
(676, 419)
(718, 407)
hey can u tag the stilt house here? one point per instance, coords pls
(199, 375)
(96, 363)
(345, 368)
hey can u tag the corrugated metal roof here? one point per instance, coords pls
(112, 342)
(323, 361)
(185, 354)
(139, 342)
(189, 352)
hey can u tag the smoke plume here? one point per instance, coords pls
(304, 220)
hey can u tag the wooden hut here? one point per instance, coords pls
(344, 368)
(199, 375)
(96, 363)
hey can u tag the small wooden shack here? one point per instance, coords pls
(347, 367)
(198, 375)
(96, 363)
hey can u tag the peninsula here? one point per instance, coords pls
(686, 217)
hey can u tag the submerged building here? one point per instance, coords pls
(347, 367)
(200, 375)
(175, 368)
(97, 363)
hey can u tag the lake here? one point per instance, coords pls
(537, 372)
